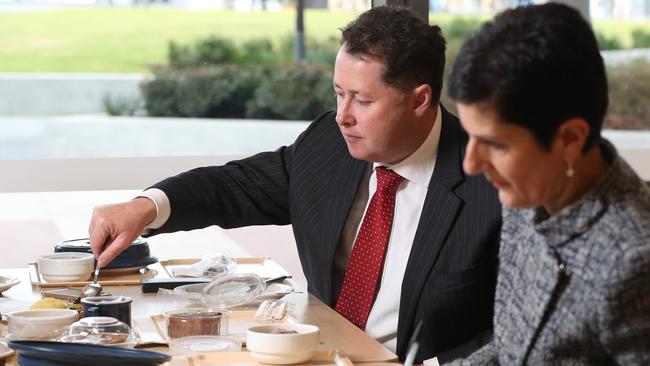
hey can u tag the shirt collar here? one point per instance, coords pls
(418, 167)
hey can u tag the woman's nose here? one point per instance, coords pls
(472, 163)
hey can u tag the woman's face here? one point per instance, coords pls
(525, 174)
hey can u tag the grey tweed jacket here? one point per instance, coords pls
(574, 288)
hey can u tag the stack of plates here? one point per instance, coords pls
(134, 257)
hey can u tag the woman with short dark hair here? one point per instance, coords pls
(574, 272)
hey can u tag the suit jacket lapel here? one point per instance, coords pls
(436, 220)
(341, 194)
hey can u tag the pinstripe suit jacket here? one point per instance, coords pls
(311, 184)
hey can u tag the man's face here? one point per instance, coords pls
(376, 120)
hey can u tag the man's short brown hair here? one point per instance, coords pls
(412, 51)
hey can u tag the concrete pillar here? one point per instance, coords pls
(300, 30)
(419, 7)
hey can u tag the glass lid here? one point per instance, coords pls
(98, 330)
(233, 290)
(80, 244)
(193, 291)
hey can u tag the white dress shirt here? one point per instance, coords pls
(409, 200)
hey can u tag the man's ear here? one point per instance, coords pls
(421, 99)
(571, 137)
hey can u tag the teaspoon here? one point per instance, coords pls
(94, 288)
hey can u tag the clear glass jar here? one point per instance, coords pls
(196, 322)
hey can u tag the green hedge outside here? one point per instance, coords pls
(629, 96)
(297, 92)
(214, 78)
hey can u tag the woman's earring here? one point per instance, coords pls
(569, 169)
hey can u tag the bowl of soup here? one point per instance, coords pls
(283, 343)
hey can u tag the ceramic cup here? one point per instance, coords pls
(118, 307)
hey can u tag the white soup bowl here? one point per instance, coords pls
(40, 324)
(295, 343)
(66, 266)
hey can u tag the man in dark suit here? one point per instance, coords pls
(434, 240)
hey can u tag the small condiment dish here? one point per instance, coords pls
(282, 343)
(40, 324)
(194, 345)
(66, 267)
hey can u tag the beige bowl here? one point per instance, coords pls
(66, 267)
(282, 343)
(40, 324)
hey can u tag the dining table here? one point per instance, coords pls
(337, 334)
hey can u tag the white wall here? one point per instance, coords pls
(134, 153)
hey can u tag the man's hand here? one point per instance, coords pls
(114, 227)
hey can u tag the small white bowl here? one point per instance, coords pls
(40, 324)
(66, 267)
(268, 346)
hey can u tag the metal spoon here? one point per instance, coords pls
(94, 288)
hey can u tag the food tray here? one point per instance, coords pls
(321, 358)
(261, 266)
(134, 277)
(4, 353)
(238, 323)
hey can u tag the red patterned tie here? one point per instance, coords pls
(367, 258)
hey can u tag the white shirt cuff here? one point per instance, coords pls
(163, 209)
(431, 362)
